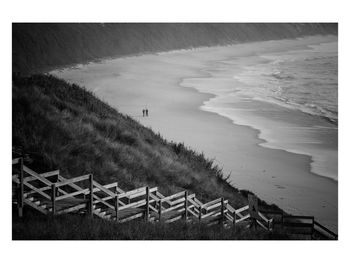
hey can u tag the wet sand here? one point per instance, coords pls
(158, 82)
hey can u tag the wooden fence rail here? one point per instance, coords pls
(60, 195)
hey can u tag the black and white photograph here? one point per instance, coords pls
(175, 130)
(196, 131)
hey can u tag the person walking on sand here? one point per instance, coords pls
(146, 112)
(143, 112)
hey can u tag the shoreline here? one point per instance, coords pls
(50, 69)
(175, 113)
(315, 159)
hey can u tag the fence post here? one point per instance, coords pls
(222, 219)
(53, 199)
(147, 204)
(160, 210)
(116, 203)
(200, 214)
(116, 207)
(21, 189)
(313, 227)
(56, 181)
(91, 196)
(234, 221)
(186, 197)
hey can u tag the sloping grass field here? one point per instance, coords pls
(57, 125)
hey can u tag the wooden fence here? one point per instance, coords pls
(301, 225)
(52, 194)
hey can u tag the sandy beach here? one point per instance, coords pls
(177, 88)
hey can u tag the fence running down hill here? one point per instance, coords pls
(52, 194)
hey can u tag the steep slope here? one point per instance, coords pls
(37, 47)
(60, 125)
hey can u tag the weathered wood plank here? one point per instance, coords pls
(229, 217)
(242, 209)
(317, 224)
(53, 199)
(153, 208)
(195, 204)
(131, 217)
(76, 187)
(230, 208)
(120, 191)
(73, 180)
(45, 188)
(37, 190)
(263, 217)
(43, 175)
(173, 219)
(51, 173)
(141, 193)
(219, 213)
(90, 203)
(208, 214)
(172, 208)
(160, 210)
(198, 202)
(116, 207)
(99, 200)
(180, 200)
(111, 185)
(161, 196)
(71, 209)
(211, 203)
(192, 212)
(223, 211)
(173, 196)
(262, 225)
(108, 198)
(40, 209)
(271, 212)
(216, 205)
(133, 205)
(84, 191)
(103, 189)
(242, 218)
(127, 194)
(147, 204)
(154, 197)
(36, 175)
(186, 207)
(20, 203)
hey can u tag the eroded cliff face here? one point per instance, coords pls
(38, 47)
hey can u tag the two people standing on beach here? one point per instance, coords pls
(145, 112)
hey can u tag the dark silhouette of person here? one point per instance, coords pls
(143, 113)
(147, 112)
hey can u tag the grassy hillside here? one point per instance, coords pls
(57, 125)
(37, 47)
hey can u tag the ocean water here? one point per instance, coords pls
(303, 79)
(289, 96)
